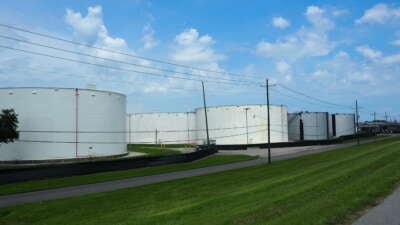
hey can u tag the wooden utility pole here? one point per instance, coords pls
(205, 114)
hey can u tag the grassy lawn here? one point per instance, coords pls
(367, 138)
(116, 175)
(325, 188)
(152, 151)
(149, 150)
(163, 145)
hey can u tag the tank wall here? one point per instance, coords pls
(104, 112)
(315, 126)
(344, 124)
(168, 128)
(227, 124)
(48, 123)
(294, 126)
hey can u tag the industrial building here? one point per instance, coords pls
(242, 124)
(309, 126)
(65, 123)
(167, 128)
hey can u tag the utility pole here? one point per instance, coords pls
(156, 141)
(269, 127)
(386, 117)
(357, 127)
(374, 116)
(205, 114)
(247, 126)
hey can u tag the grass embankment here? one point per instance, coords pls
(117, 175)
(163, 145)
(149, 151)
(377, 137)
(325, 188)
(152, 150)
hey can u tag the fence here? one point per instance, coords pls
(67, 170)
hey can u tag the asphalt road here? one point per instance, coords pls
(22, 198)
(387, 213)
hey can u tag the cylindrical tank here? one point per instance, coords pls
(161, 128)
(65, 123)
(343, 124)
(242, 124)
(308, 126)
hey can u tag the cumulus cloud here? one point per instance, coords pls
(318, 17)
(191, 47)
(380, 13)
(368, 52)
(340, 12)
(306, 42)
(392, 59)
(280, 22)
(320, 73)
(396, 42)
(31, 70)
(148, 39)
(91, 29)
(282, 66)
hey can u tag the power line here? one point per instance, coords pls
(311, 97)
(114, 68)
(114, 60)
(119, 52)
(305, 100)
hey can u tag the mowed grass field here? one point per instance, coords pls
(152, 151)
(326, 188)
(37, 185)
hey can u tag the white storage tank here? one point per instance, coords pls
(309, 126)
(343, 124)
(161, 128)
(242, 124)
(65, 123)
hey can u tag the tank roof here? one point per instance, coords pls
(145, 113)
(64, 88)
(221, 106)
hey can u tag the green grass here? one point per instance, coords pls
(366, 138)
(152, 151)
(162, 145)
(108, 176)
(149, 150)
(325, 188)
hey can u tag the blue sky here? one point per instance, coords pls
(337, 51)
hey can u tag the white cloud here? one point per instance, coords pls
(392, 59)
(320, 73)
(282, 66)
(148, 39)
(396, 42)
(380, 13)
(317, 16)
(280, 22)
(86, 28)
(306, 42)
(368, 52)
(342, 54)
(190, 47)
(91, 29)
(31, 70)
(340, 12)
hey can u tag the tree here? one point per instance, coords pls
(8, 126)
